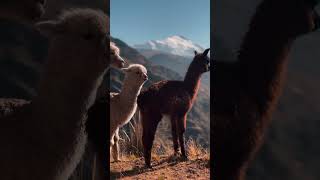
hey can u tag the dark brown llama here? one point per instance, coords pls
(172, 98)
(246, 91)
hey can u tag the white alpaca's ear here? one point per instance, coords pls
(48, 28)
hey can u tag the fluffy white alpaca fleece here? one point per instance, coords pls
(124, 104)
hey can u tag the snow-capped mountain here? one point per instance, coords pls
(177, 45)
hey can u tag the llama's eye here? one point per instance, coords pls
(137, 73)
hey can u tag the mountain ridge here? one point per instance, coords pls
(176, 44)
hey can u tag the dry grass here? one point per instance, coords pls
(165, 164)
(196, 151)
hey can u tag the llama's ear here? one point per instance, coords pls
(195, 52)
(205, 52)
(48, 28)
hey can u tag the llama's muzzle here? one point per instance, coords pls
(145, 77)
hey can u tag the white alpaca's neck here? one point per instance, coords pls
(128, 100)
(60, 110)
(63, 99)
(130, 91)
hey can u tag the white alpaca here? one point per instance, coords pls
(46, 139)
(123, 105)
(8, 106)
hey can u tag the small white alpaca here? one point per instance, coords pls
(123, 105)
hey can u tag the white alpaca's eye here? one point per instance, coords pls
(137, 73)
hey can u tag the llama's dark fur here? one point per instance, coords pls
(246, 92)
(173, 98)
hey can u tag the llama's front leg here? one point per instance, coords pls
(115, 148)
(174, 135)
(149, 130)
(181, 123)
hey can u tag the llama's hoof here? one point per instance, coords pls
(184, 158)
(148, 166)
(175, 157)
(176, 154)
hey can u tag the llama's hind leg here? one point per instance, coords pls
(174, 136)
(181, 127)
(115, 148)
(149, 123)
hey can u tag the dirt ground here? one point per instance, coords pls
(162, 168)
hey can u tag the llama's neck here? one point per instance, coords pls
(192, 81)
(130, 91)
(263, 58)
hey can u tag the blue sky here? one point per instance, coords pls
(136, 21)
